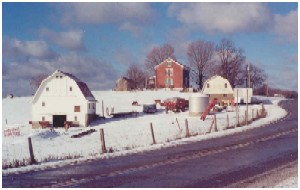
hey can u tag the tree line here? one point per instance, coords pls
(205, 59)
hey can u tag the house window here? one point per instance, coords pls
(43, 118)
(207, 85)
(169, 81)
(57, 77)
(224, 95)
(169, 63)
(43, 104)
(47, 89)
(225, 85)
(71, 88)
(76, 108)
(169, 71)
(75, 118)
(93, 105)
(89, 106)
(61, 77)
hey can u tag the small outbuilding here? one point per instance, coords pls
(124, 84)
(62, 99)
(240, 95)
(151, 82)
(218, 87)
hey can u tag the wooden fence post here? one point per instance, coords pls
(102, 108)
(246, 117)
(152, 133)
(215, 126)
(187, 131)
(32, 160)
(211, 126)
(227, 127)
(238, 119)
(103, 147)
(178, 124)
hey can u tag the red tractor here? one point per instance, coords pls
(176, 104)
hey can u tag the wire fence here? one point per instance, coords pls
(16, 153)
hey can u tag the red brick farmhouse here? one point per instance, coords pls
(171, 74)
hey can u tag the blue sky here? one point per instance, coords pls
(98, 41)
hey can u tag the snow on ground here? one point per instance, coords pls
(291, 182)
(122, 135)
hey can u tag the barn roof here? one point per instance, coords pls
(215, 89)
(82, 86)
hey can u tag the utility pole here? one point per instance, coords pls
(237, 108)
(267, 88)
(248, 86)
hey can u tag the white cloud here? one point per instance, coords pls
(96, 73)
(16, 48)
(124, 57)
(178, 38)
(222, 17)
(72, 40)
(286, 26)
(95, 13)
(132, 28)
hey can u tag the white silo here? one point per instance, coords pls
(197, 104)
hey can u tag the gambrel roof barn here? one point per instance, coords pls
(62, 98)
(218, 87)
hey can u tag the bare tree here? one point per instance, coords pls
(36, 81)
(231, 61)
(200, 55)
(138, 76)
(257, 75)
(158, 55)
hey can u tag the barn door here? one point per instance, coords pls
(58, 120)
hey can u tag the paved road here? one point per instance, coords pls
(212, 163)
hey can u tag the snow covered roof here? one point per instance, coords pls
(217, 86)
(82, 86)
(173, 61)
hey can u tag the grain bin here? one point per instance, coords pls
(197, 104)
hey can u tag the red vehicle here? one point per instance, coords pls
(176, 104)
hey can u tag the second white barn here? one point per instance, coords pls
(219, 88)
(63, 99)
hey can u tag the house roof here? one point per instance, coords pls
(125, 78)
(172, 60)
(82, 86)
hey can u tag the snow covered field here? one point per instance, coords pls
(122, 135)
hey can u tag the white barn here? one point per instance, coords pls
(218, 87)
(62, 98)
